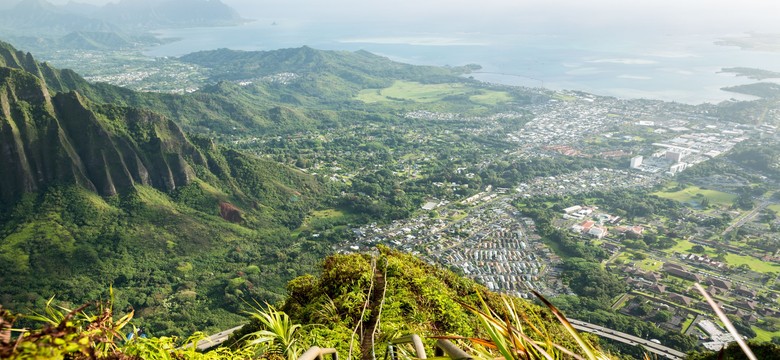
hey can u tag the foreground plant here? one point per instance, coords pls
(278, 335)
(67, 333)
(76, 334)
(516, 336)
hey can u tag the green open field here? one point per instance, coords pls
(774, 207)
(563, 97)
(763, 335)
(696, 194)
(649, 264)
(322, 219)
(684, 246)
(490, 97)
(756, 265)
(428, 93)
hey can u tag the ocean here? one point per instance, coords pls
(681, 68)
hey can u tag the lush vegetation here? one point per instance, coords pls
(100, 194)
(413, 297)
(195, 205)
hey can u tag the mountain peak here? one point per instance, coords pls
(35, 5)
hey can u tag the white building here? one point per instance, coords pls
(636, 162)
(677, 168)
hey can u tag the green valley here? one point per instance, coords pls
(194, 206)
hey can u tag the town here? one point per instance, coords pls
(484, 237)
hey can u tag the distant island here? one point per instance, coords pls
(752, 73)
(757, 42)
(762, 90)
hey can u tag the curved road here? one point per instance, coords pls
(650, 346)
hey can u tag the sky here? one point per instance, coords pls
(672, 16)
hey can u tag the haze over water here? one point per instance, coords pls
(659, 50)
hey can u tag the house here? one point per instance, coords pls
(703, 305)
(747, 305)
(586, 225)
(680, 299)
(652, 276)
(745, 291)
(658, 288)
(716, 291)
(719, 283)
(635, 231)
(675, 271)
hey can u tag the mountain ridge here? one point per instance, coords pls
(98, 193)
(33, 20)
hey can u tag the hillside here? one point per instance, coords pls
(357, 305)
(98, 194)
(360, 67)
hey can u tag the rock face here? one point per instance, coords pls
(63, 138)
(229, 212)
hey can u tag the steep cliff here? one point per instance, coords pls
(62, 139)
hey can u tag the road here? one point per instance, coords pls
(650, 346)
(215, 339)
(747, 217)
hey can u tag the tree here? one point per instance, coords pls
(591, 280)
(661, 316)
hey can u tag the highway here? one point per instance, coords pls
(747, 217)
(650, 346)
(215, 339)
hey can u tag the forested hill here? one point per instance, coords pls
(291, 89)
(360, 67)
(94, 194)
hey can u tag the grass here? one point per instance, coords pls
(429, 93)
(774, 207)
(687, 323)
(559, 96)
(456, 216)
(682, 246)
(649, 264)
(763, 335)
(695, 194)
(322, 219)
(756, 265)
(489, 97)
